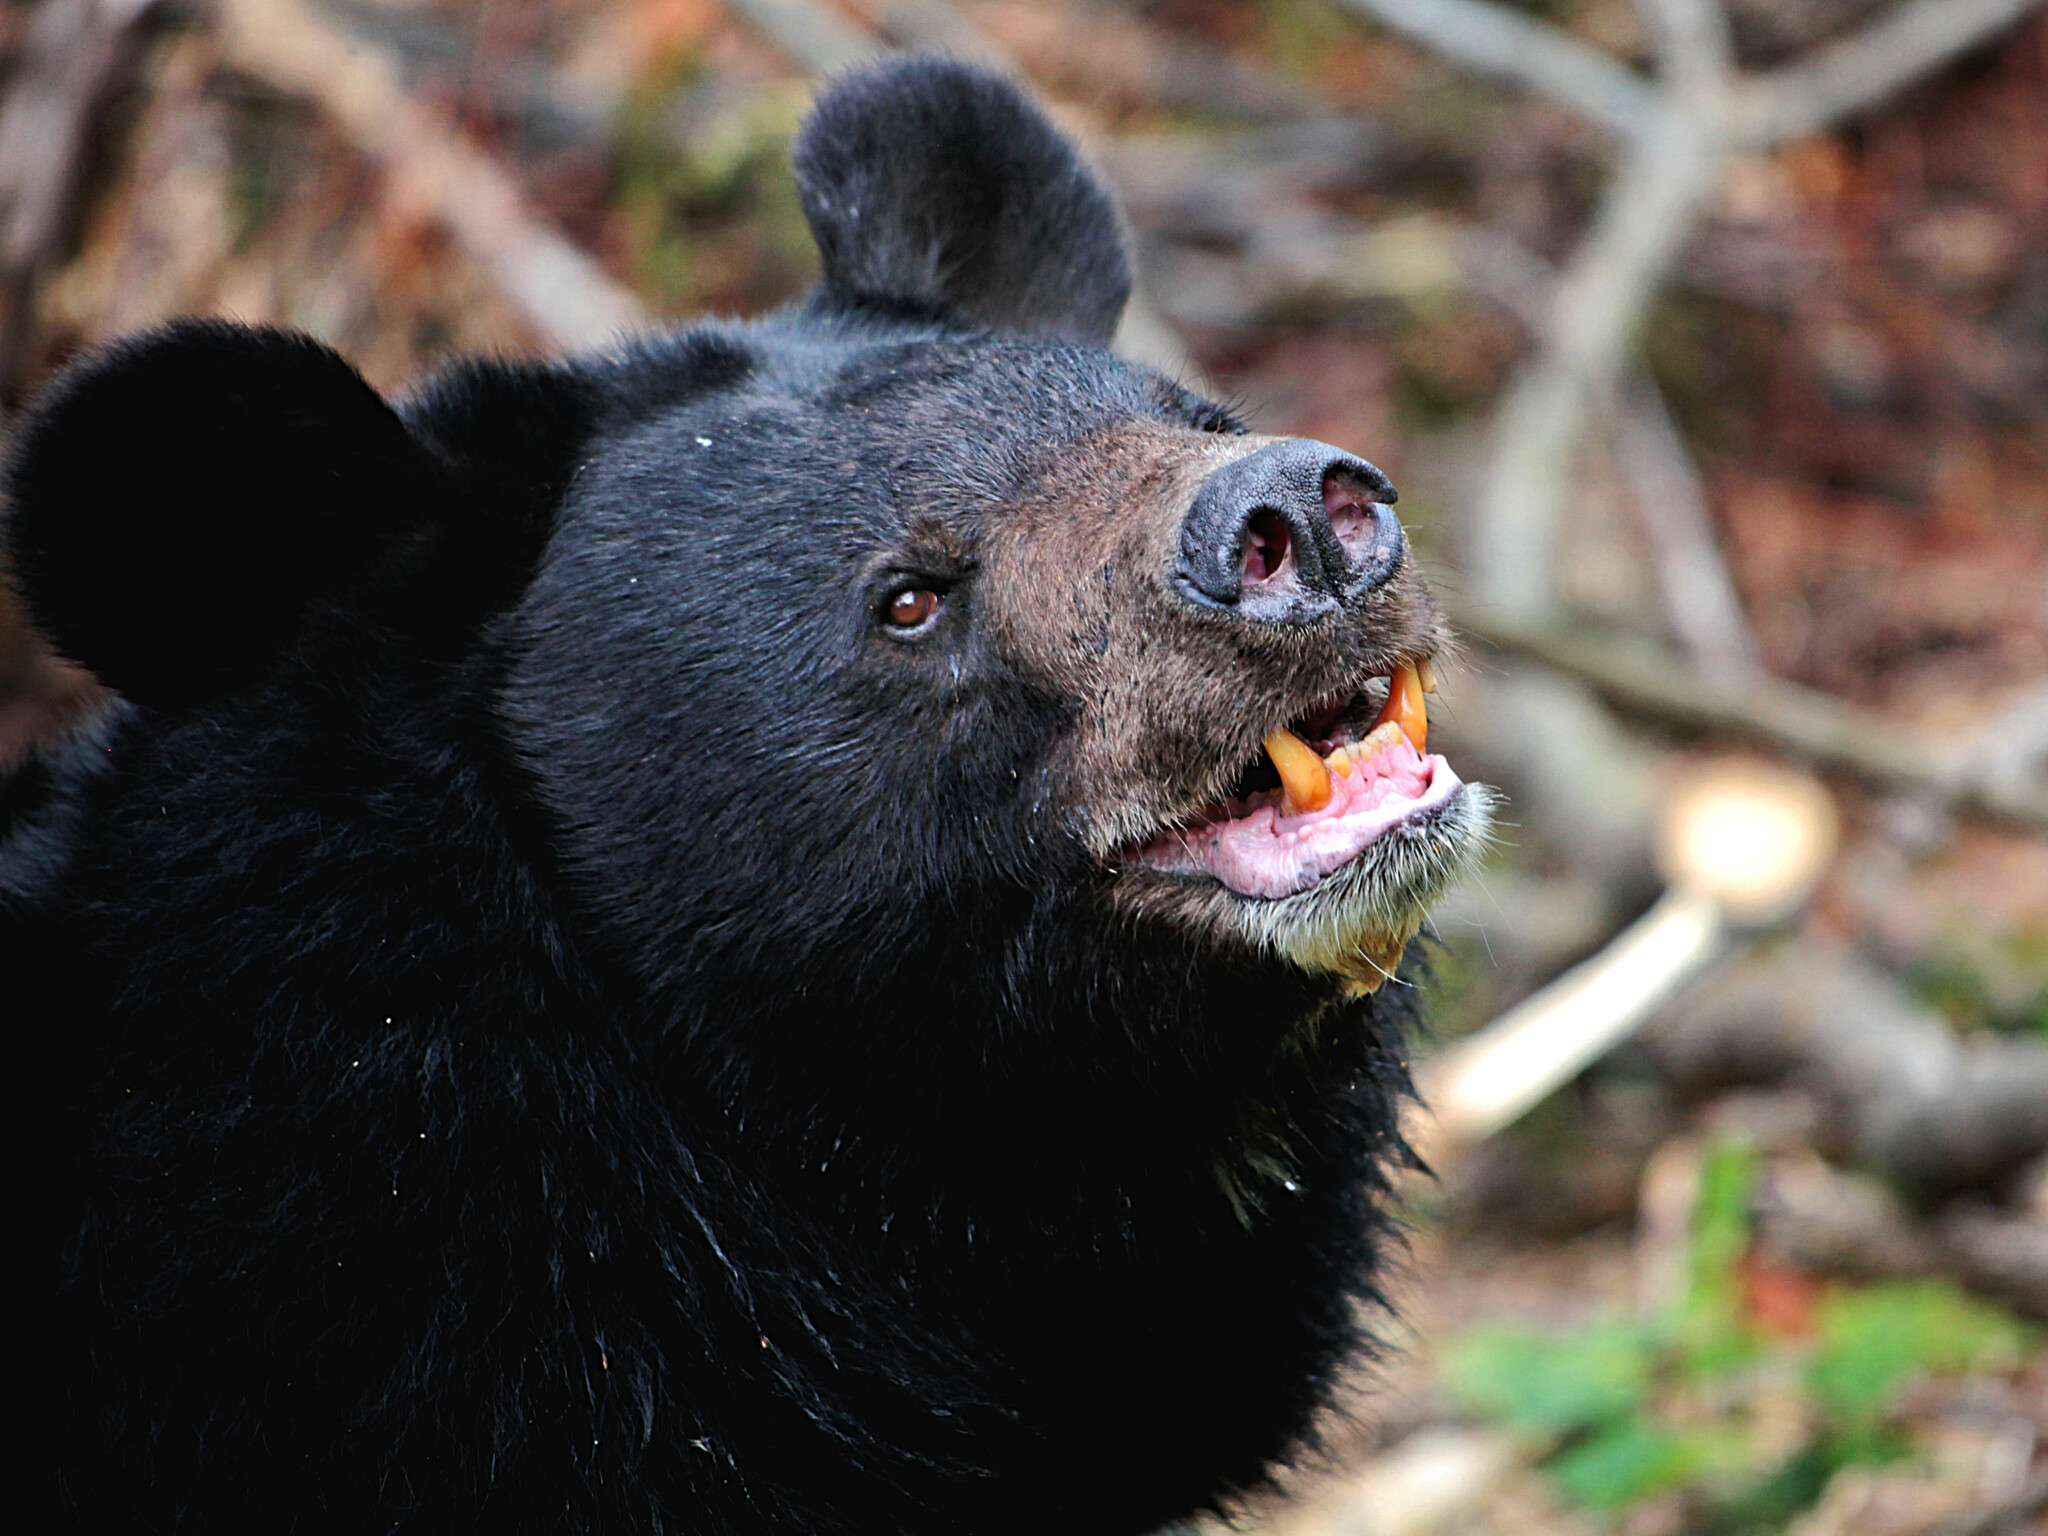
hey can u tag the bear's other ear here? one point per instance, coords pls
(936, 187)
(180, 500)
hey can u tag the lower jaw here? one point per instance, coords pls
(1354, 922)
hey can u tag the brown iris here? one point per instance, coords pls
(911, 607)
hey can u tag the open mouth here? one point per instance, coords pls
(1321, 791)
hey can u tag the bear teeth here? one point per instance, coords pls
(1304, 777)
(1308, 776)
(1404, 706)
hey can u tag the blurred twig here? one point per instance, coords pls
(813, 35)
(1492, 40)
(1813, 726)
(1679, 135)
(69, 55)
(1602, 294)
(431, 171)
(1933, 1113)
(1846, 77)
(2011, 748)
(1671, 498)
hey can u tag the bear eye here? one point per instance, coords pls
(911, 608)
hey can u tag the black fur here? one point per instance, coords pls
(565, 1023)
(239, 475)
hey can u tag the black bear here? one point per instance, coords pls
(773, 930)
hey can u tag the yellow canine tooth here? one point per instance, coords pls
(1304, 780)
(1425, 672)
(1404, 706)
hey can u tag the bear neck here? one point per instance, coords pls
(1060, 1077)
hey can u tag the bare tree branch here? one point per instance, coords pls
(1602, 296)
(1603, 293)
(1695, 56)
(1805, 724)
(813, 35)
(69, 50)
(430, 169)
(2011, 747)
(69, 53)
(1933, 1113)
(1492, 40)
(1860, 71)
(1681, 135)
(1672, 502)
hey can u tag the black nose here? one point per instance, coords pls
(1288, 532)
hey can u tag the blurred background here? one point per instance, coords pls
(1708, 343)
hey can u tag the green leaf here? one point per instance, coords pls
(1556, 1383)
(1872, 1338)
(1622, 1463)
(1709, 1329)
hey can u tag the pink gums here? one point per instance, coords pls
(1259, 852)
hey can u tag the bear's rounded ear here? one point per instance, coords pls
(937, 187)
(180, 500)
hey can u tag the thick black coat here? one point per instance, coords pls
(552, 1016)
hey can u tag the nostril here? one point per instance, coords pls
(1268, 550)
(1354, 516)
(1362, 525)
